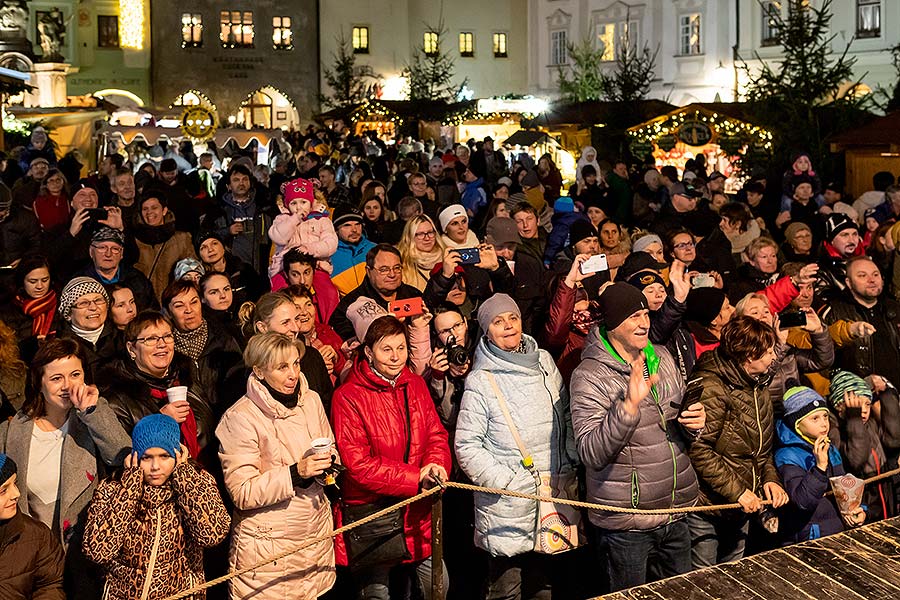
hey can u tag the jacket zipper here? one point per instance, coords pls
(759, 425)
(662, 416)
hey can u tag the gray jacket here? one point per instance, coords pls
(632, 461)
(95, 441)
(485, 448)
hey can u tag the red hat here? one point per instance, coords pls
(298, 188)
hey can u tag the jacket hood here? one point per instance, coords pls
(493, 359)
(794, 450)
(154, 234)
(271, 408)
(597, 347)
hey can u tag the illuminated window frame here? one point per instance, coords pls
(430, 43)
(236, 28)
(466, 44)
(360, 39)
(191, 30)
(500, 45)
(282, 35)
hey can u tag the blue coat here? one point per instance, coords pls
(558, 240)
(809, 514)
(487, 453)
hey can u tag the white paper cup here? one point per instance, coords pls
(321, 445)
(177, 393)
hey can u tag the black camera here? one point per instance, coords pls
(456, 354)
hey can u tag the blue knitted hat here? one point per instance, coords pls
(7, 468)
(800, 402)
(564, 204)
(156, 431)
(845, 381)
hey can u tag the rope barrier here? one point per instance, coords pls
(475, 488)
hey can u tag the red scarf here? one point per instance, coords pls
(188, 428)
(41, 311)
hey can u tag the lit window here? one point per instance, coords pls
(558, 52)
(771, 11)
(606, 40)
(466, 44)
(430, 43)
(107, 31)
(282, 38)
(689, 34)
(191, 30)
(360, 40)
(500, 45)
(868, 18)
(236, 28)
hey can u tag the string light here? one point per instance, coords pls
(730, 131)
(131, 28)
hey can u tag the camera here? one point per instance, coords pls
(456, 354)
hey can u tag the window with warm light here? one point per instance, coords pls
(868, 18)
(689, 34)
(430, 43)
(606, 41)
(500, 45)
(107, 31)
(236, 28)
(360, 40)
(282, 37)
(771, 11)
(559, 53)
(467, 44)
(191, 30)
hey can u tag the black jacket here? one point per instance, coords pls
(746, 279)
(20, 235)
(219, 367)
(134, 280)
(31, 561)
(101, 353)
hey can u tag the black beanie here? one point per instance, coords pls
(618, 302)
(637, 261)
(704, 305)
(580, 230)
(642, 279)
(7, 468)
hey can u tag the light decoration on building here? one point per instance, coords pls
(131, 24)
(729, 131)
(375, 111)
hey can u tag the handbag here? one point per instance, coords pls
(559, 527)
(382, 541)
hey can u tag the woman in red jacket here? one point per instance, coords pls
(393, 446)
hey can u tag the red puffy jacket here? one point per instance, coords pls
(369, 420)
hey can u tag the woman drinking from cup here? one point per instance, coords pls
(276, 446)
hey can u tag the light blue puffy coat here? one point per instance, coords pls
(487, 452)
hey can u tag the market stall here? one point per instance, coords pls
(370, 115)
(722, 132)
(868, 149)
(536, 144)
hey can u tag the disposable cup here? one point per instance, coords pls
(321, 445)
(177, 393)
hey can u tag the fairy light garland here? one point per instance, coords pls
(725, 127)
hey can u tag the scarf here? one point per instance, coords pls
(471, 241)
(158, 387)
(287, 400)
(192, 343)
(41, 311)
(88, 336)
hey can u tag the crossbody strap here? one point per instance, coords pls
(527, 461)
(153, 552)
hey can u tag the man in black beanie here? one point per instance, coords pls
(625, 399)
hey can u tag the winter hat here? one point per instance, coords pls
(685, 189)
(156, 431)
(85, 191)
(564, 204)
(448, 214)
(795, 228)
(836, 223)
(876, 214)
(167, 165)
(362, 313)
(505, 181)
(108, 234)
(502, 230)
(581, 230)
(206, 235)
(618, 302)
(298, 188)
(704, 305)
(188, 265)
(346, 214)
(38, 159)
(516, 199)
(531, 179)
(493, 306)
(634, 262)
(643, 243)
(642, 279)
(845, 381)
(75, 289)
(800, 402)
(7, 468)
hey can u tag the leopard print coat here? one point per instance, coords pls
(126, 517)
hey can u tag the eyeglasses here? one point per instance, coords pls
(153, 340)
(84, 304)
(388, 270)
(683, 245)
(421, 235)
(108, 249)
(455, 328)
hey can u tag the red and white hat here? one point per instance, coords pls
(298, 188)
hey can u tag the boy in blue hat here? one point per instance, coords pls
(806, 460)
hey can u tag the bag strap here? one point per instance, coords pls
(153, 552)
(527, 461)
(408, 426)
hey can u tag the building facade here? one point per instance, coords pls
(701, 43)
(487, 40)
(255, 61)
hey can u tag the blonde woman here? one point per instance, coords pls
(276, 477)
(421, 249)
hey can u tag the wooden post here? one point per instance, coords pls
(437, 549)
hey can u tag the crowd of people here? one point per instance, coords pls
(206, 364)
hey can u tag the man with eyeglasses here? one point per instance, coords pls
(383, 284)
(106, 250)
(348, 261)
(84, 306)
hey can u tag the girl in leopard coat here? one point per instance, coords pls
(149, 528)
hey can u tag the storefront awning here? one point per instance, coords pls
(152, 135)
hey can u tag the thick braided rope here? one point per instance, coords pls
(495, 491)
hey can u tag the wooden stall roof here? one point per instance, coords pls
(879, 132)
(595, 112)
(525, 137)
(860, 564)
